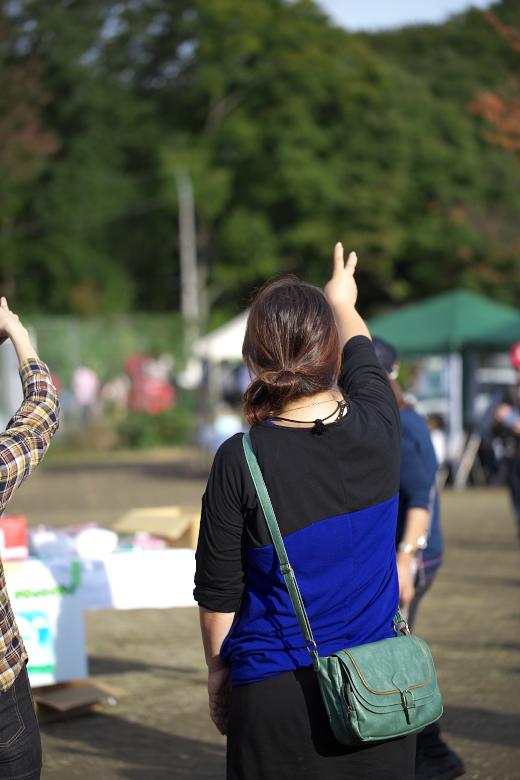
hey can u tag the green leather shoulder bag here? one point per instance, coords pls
(371, 692)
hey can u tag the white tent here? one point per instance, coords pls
(224, 343)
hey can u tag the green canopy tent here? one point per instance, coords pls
(456, 324)
(448, 323)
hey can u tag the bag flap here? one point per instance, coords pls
(381, 672)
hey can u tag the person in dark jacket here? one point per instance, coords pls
(419, 545)
(507, 427)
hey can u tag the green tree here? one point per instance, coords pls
(295, 133)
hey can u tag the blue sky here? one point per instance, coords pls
(382, 14)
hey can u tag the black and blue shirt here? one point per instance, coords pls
(335, 496)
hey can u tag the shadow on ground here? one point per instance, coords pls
(498, 728)
(140, 752)
(105, 665)
(189, 469)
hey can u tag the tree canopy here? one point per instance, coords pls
(295, 133)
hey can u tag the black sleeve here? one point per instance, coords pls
(362, 378)
(219, 575)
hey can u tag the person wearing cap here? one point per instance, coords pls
(419, 546)
(507, 419)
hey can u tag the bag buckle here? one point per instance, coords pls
(285, 569)
(311, 646)
(402, 627)
(408, 704)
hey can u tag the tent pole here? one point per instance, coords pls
(455, 423)
(467, 460)
(190, 301)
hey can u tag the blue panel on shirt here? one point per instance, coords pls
(345, 567)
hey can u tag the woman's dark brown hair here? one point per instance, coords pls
(291, 346)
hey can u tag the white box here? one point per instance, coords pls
(49, 612)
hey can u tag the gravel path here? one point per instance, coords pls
(159, 727)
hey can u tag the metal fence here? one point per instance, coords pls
(104, 344)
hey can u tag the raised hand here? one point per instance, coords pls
(341, 289)
(9, 322)
(12, 328)
(341, 292)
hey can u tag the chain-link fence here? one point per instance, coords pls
(117, 379)
(104, 344)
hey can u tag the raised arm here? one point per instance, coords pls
(341, 292)
(28, 434)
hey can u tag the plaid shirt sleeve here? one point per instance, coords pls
(27, 436)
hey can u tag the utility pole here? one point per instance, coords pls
(190, 304)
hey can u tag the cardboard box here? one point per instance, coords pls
(14, 539)
(179, 526)
(76, 697)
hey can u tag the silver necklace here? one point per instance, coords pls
(314, 403)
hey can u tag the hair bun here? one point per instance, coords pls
(282, 378)
(273, 388)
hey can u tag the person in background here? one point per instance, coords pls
(507, 427)
(22, 446)
(419, 546)
(85, 386)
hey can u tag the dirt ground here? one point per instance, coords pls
(159, 727)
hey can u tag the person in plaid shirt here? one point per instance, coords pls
(22, 446)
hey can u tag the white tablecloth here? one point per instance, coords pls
(125, 580)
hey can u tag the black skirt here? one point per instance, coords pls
(278, 730)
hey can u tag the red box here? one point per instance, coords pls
(13, 538)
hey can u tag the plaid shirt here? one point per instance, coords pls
(22, 446)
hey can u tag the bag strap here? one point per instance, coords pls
(286, 569)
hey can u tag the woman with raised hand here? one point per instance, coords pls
(325, 431)
(22, 446)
